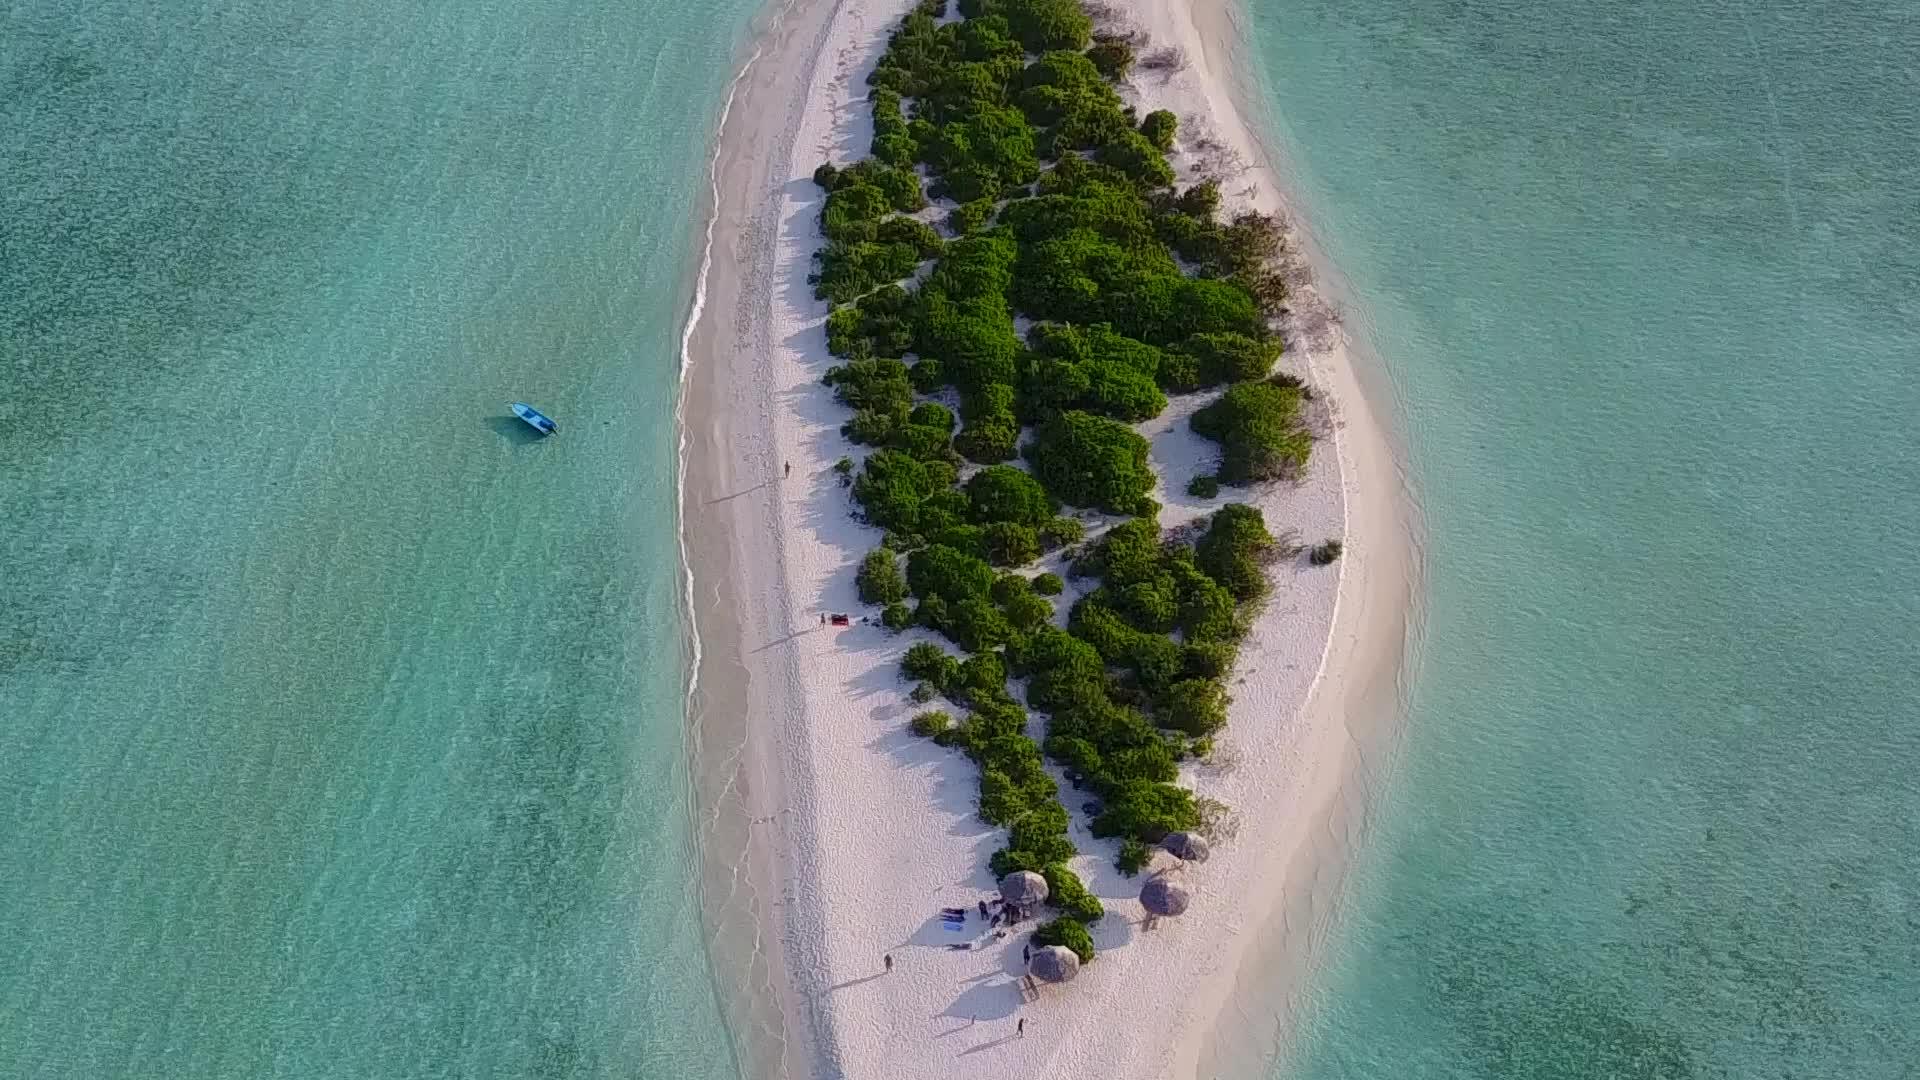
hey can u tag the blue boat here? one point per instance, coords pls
(534, 418)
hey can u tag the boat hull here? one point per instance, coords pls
(534, 418)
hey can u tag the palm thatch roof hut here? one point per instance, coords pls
(1190, 847)
(1163, 896)
(1023, 888)
(1053, 964)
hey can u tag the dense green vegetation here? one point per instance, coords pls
(1062, 210)
(1066, 932)
(1259, 429)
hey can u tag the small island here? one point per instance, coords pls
(1046, 559)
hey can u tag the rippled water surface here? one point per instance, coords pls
(1646, 278)
(343, 733)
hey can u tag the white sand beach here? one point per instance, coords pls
(830, 834)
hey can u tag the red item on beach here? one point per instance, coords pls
(839, 620)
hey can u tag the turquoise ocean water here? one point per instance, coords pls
(1646, 280)
(343, 727)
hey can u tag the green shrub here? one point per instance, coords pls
(1179, 373)
(1207, 611)
(931, 663)
(931, 612)
(970, 217)
(929, 724)
(1325, 552)
(894, 489)
(925, 376)
(1049, 585)
(1153, 761)
(1067, 932)
(1008, 586)
(1008, 493)
(973, 339)
(1260, 432)
(1207, 660)
(880, 579)
(982, 681)
(1134, 856)
(1230, 357)
(1247, 242)
(976, 624)
(1059, 532)
(1045, 25)
(853, 212)
(992, 432)
(1066, 892)
(1129, 552)
(1146, 810)
(1207, 306)
(932, 414)
(896, 617)
(1112, 57)
(1042, 833)
(922, 693)
(984, 154)
(910, 233)
(1009, 544)
(1010, 861)
(1133, 154)
(989, 440)
(878, 325)
(849, 269)
(1159, 127)
(1086, 460)
(938, 570)
(1027, 610)
(1066, 671)
(1194, 706)
(1204, 487)
(1232, 549)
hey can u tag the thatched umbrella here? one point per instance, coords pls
(1054, 964)
(1163, 896)
(1023, 888)
(1191, 847)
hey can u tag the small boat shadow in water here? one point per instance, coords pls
(514, 430)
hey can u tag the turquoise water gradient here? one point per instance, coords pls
(344, 727)
(1646, 278)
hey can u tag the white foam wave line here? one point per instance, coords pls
(695, 311)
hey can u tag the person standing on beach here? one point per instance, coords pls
(789, 471)
(888, 960)
(1020, 1028)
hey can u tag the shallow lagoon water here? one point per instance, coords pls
(345, 726)
(1646, 282)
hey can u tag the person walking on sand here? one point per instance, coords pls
(1026, 953)
(888, 960)
(789, 471)
(1020, 1028)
